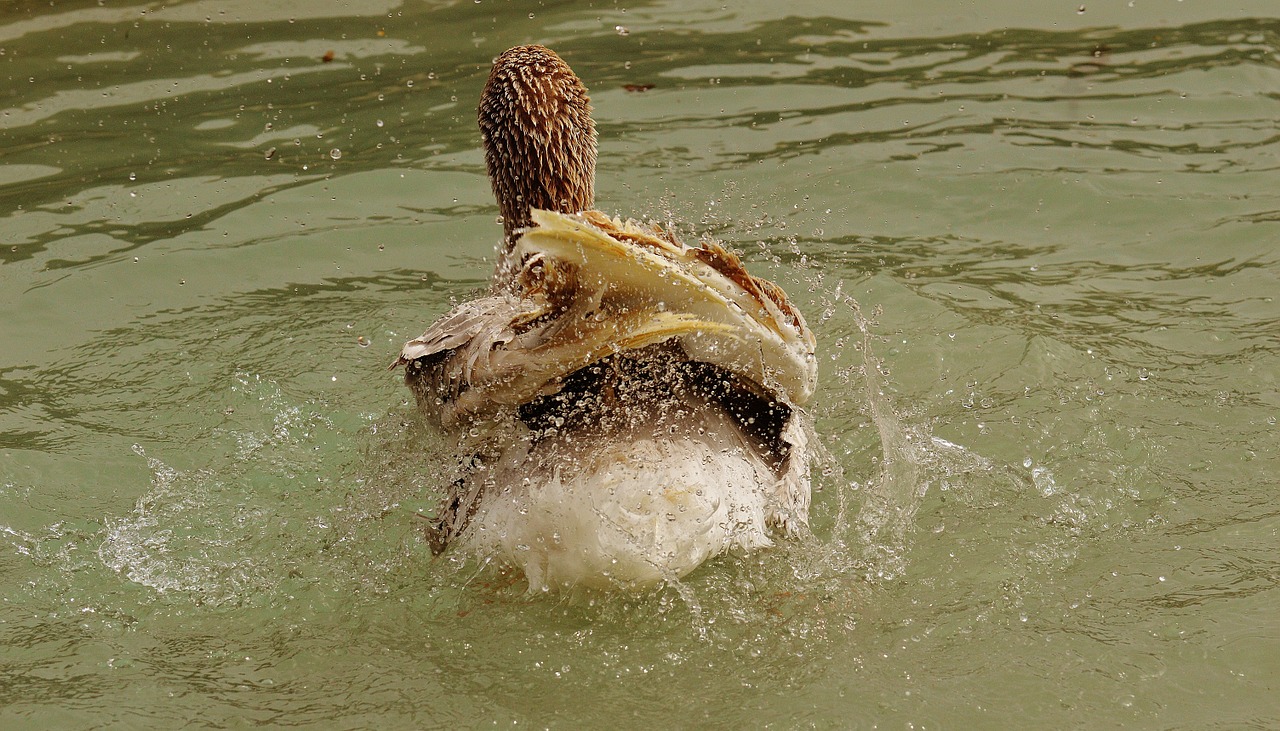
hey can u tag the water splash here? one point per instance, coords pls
(229, 533)
(173, 542)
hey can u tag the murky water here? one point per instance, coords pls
(1037, 241)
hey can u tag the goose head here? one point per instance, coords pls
(539, 143)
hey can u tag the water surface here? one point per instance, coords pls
(1037, 242)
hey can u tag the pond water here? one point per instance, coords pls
(1039, 244)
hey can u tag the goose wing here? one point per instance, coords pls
(645, 270)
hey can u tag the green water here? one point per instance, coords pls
(1039, 243)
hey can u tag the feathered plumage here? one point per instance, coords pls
(623, 406)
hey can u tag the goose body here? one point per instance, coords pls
(623, 406)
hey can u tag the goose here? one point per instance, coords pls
(622, 406)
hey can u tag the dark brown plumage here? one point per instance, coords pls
(539, 140)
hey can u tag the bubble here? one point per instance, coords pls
(379, 122)
(621, 30)
(335, 153)
(362, 341)
(1043, 480)
(133, 176)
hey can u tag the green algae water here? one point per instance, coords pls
(1039, 244)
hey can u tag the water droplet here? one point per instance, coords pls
(1143, 374)
(362, 341)
(1044, 481)
(335, 153)
(621, 30)
(410, 83)
(379, 122)
(133, 176)
(1080, 10)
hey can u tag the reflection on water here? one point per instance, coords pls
(1035, 247)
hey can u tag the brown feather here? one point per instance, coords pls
(539, 141)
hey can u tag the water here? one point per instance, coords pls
(1036, 241)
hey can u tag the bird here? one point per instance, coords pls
(622, 406)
